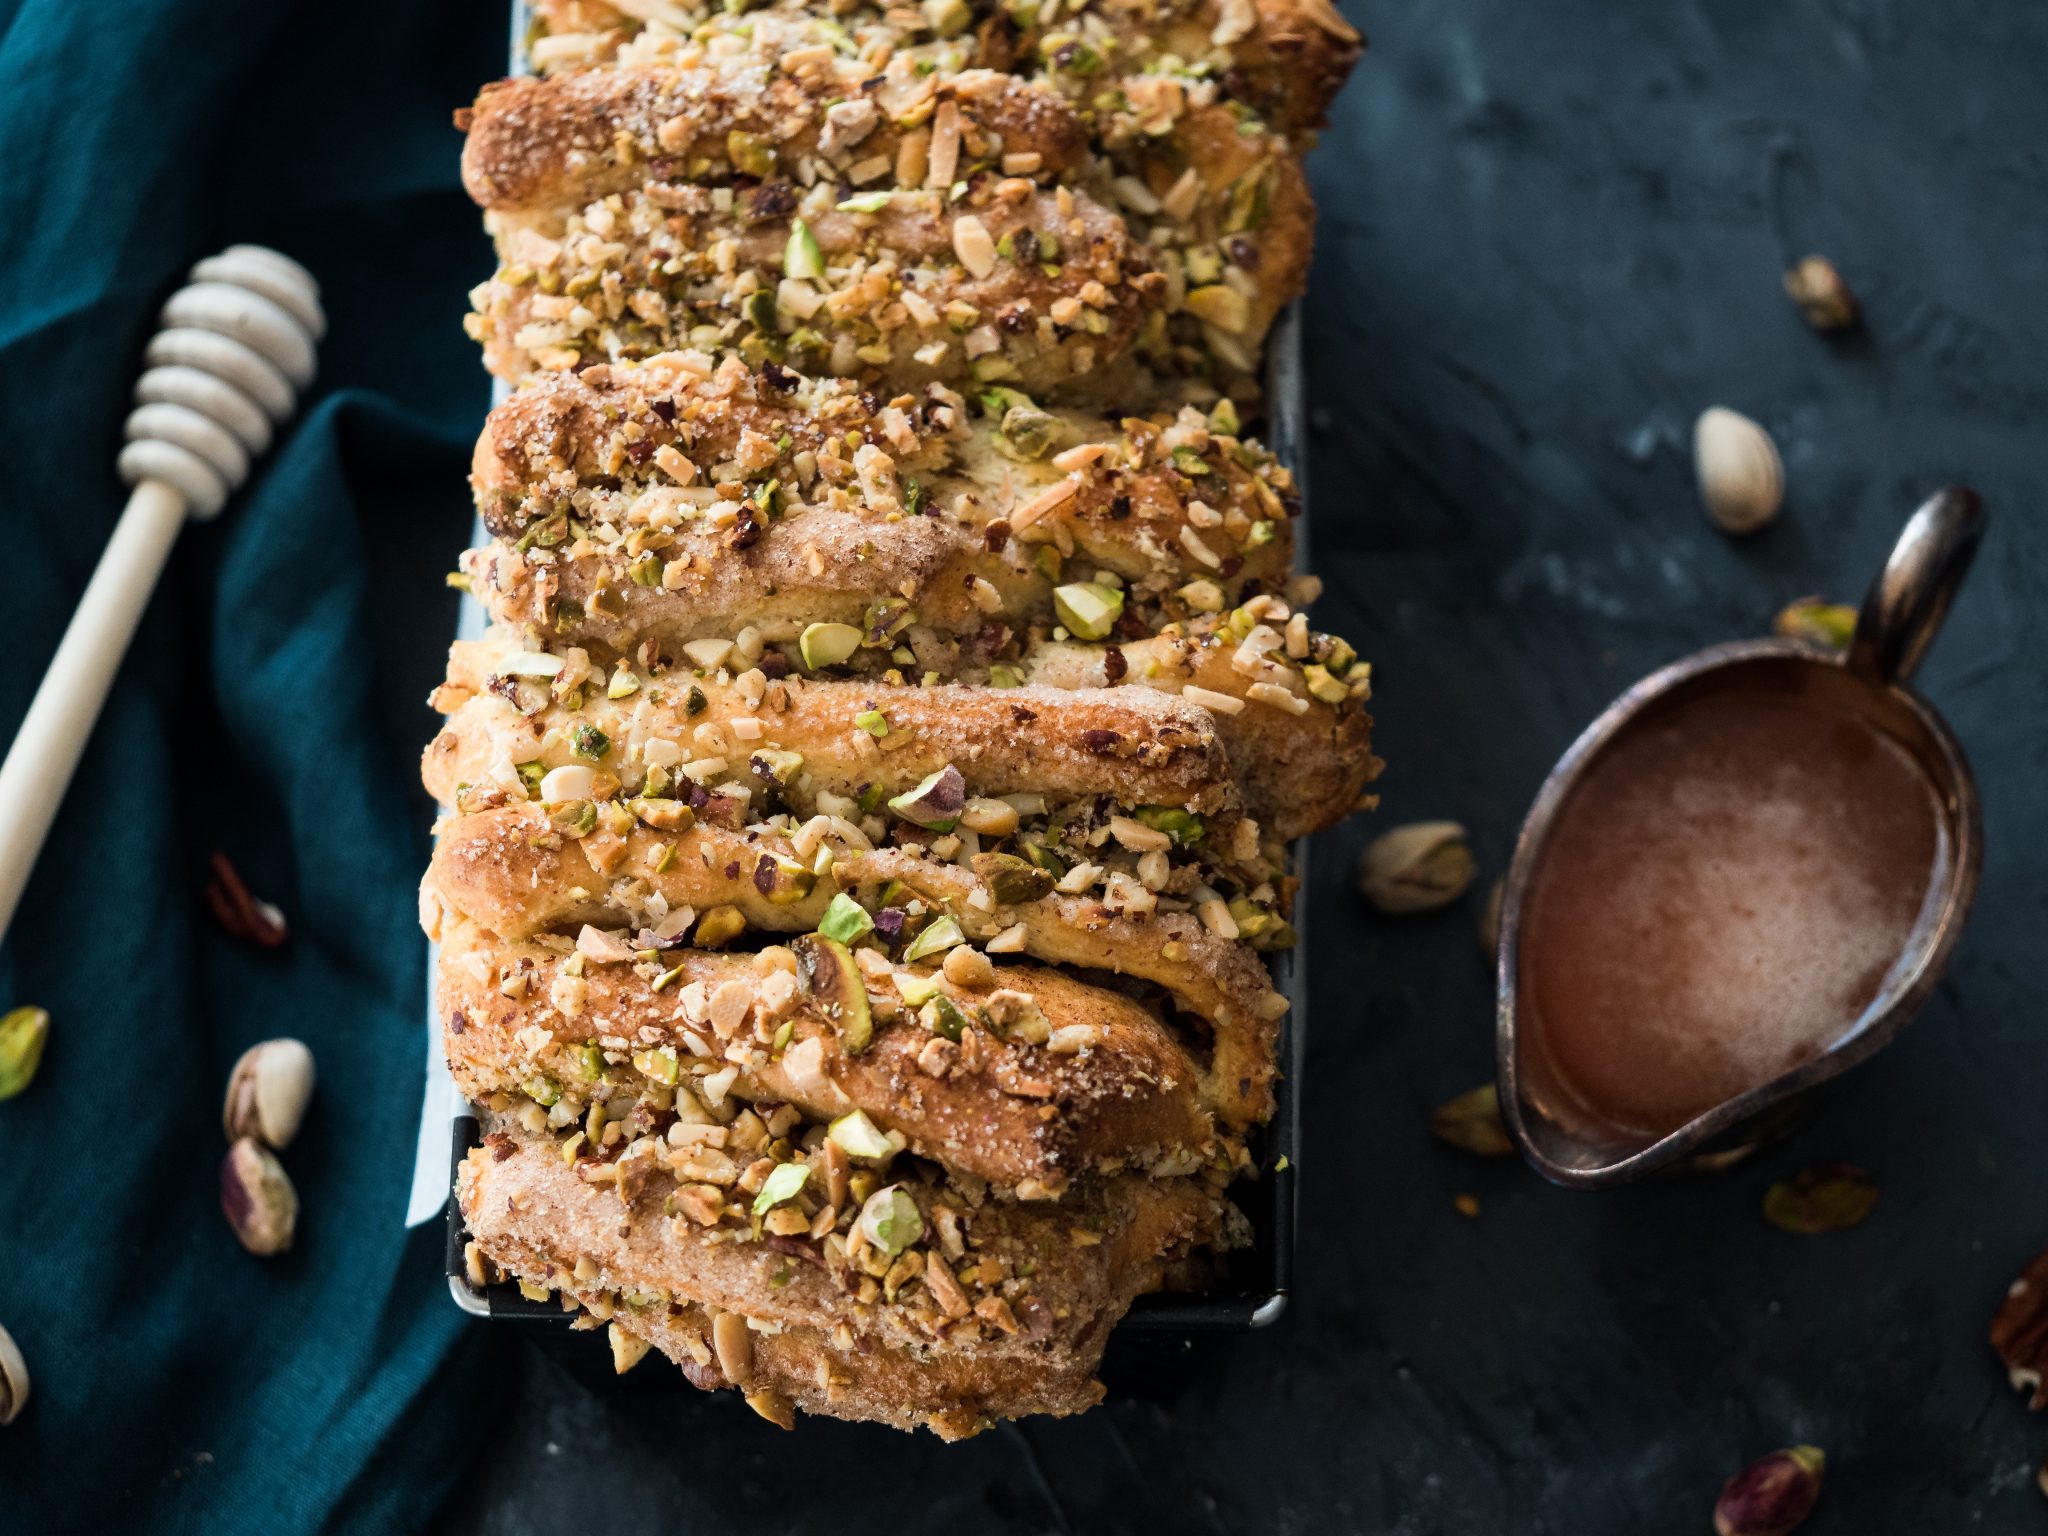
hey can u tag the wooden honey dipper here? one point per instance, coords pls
(235, 347)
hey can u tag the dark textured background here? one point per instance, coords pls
(1551, 235)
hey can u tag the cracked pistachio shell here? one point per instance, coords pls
(1416, 868)
(267, 1092)
(1773, 1496)
(257, 1197)
(1741, 478)
(23, 1033)
(1821, 294)
(13, 1379)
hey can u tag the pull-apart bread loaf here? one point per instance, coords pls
(865, 822)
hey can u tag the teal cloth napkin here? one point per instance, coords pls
(271, 708)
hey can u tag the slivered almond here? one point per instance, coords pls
(945, 150)
(973, 245)
(1210, 699)
(1058, 494)
(1278, 697)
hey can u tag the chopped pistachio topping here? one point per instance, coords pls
(827, 645)
(784, 1183)
(936, 938)
(801, 257)
(866, 202)
(873, 721)
(1184, 827)
(891, 1220)
(936, 803)
(856, 1133)
(916, 991)
(845, 920)
(1088, 608)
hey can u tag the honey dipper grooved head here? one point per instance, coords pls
(236, 346)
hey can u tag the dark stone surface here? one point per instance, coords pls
(1551, 235)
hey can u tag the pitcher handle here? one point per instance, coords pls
(1903, 610)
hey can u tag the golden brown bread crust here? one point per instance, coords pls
(1063, 298)
(559, 139)
(1301, 766)
(512, 871)
(1286, 59)
(1004, 741)
(1185, 516)
(1060, 1292)
(1113, 1089)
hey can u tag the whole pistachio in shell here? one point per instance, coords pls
(257, 1197)
(23, 1033)
(1416, 868)
(1817, 288)
(13, 1379)
(1771, 1497)
(267, 1092)
(1742, 479)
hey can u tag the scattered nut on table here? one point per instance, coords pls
(1741, 478)
(1830, 624)
(267, 1092)
(1471, 1122)
(257, 1197)
(23, 1033)
(1416, 868)
(1817, 288)
(13, 1379)
(1773, 1496)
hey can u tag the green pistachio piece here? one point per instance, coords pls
(916, 990)
(866, 202)
(1331, 690)
(891, 1220)
(873, 721)
(1223, 420)
(782, 880)
(1013, 881)
(1001, 676)
(801, 257)
(1088, 608)
(1184, 827)
(856, 1134)
(592, 1061)
(534, 664)
(1029, 433)
(659, 1064)
(784, 1183)
(1262, 533)
(936, 803)
(719, 927)
(936, 939)
(845, 920)
(588, 741)
(751, 154)
(827, 645)
(776, 763)
(827, 975)
(542, 1089)
(945, 1017)
(23, 1033)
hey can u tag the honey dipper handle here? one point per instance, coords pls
(53, 734)
(1903, 610)
(236, 345)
